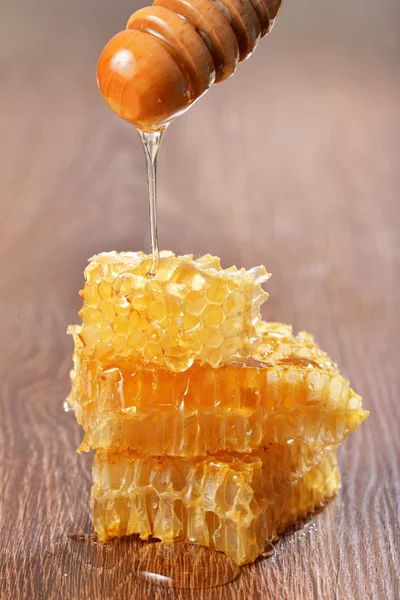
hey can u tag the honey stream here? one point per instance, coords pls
(151, 141)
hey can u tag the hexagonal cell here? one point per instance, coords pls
(234, 304)
(137, 338)
(121, 325)
(215, 291)
(152, 352)
(105, 289)
(211, 337)
(157, 309)
(233, 327)
(91, 296)
(107, 308)
(212, 315)
(190, 322)
(194, 303)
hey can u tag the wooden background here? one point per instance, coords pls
(293, 163)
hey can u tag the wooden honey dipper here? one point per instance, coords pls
(173, 51)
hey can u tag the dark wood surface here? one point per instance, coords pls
(293, 163)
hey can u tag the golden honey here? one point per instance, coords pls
(191, 310)
(237, 407)
(209, 424)
(230, 503)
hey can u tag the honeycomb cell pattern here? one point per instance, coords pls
(296, 392)
(190, 311)
(209, 425)
(230, 503)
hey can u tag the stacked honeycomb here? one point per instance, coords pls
(209, 425)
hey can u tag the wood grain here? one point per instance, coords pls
(292, 163)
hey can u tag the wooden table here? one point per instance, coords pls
(293, 163)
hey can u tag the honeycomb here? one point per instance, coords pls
(191, 310)
(209, 425)
(296, 392)
(231, 503)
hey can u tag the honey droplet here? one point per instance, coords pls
(183, 565)
(269, 551)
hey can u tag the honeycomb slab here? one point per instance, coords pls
(209, 425)
(290, 390)
(231, 503)
(190, 311)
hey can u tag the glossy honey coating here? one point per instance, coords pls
(191, 310)
(231, 503)
(172, 52)
(188, 51)
(206, 18)
(296, 392)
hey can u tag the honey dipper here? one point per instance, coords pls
(173, 51)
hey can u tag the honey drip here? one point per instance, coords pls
(151, 141)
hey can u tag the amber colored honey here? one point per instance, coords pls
(190, 311)
(210, 425)
(229, 503)
(295, 392)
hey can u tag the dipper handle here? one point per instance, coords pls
(173, 51)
